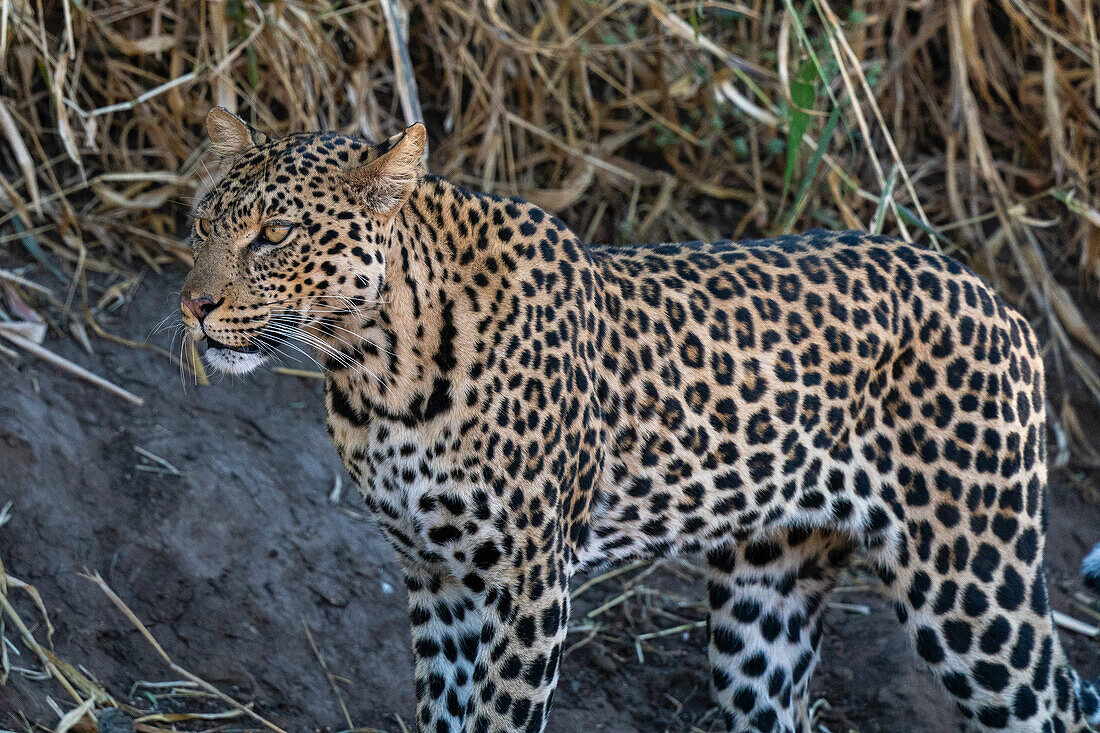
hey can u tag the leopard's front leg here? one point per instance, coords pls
(488, 611)
(522, 637)
(446, 620)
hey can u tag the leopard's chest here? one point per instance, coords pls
(402, 476)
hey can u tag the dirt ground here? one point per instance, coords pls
(228, 561)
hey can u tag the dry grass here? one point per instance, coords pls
(970, 125)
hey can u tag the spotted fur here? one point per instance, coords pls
(517, 406)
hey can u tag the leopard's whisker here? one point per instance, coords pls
(304, 333)
(181, 334)
(276, 318)
(162, 324)
(288, 344)
(339, 357)
(281, 317)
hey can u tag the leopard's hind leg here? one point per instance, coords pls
(969, 585)
(966, 475)
(766, 603)
(973, 594)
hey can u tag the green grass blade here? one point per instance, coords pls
(803, 194)
(28, 241)
(939, 241)
(798, 116)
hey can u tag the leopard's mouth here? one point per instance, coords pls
(213, 343)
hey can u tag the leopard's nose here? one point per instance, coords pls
(198, 307)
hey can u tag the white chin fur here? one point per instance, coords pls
(232, 362)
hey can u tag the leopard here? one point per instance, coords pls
(517, 407)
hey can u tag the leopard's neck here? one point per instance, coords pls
(408, 358)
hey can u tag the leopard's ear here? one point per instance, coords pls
(229, 134)
(385, 182)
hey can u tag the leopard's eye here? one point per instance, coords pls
(276, 233)
(202, 228)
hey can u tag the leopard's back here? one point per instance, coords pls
(745, 380)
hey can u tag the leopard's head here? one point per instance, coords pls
(291, 235)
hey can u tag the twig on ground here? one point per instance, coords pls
(121, 605)
(62, 363)
(332, 679)
(1078, 627)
